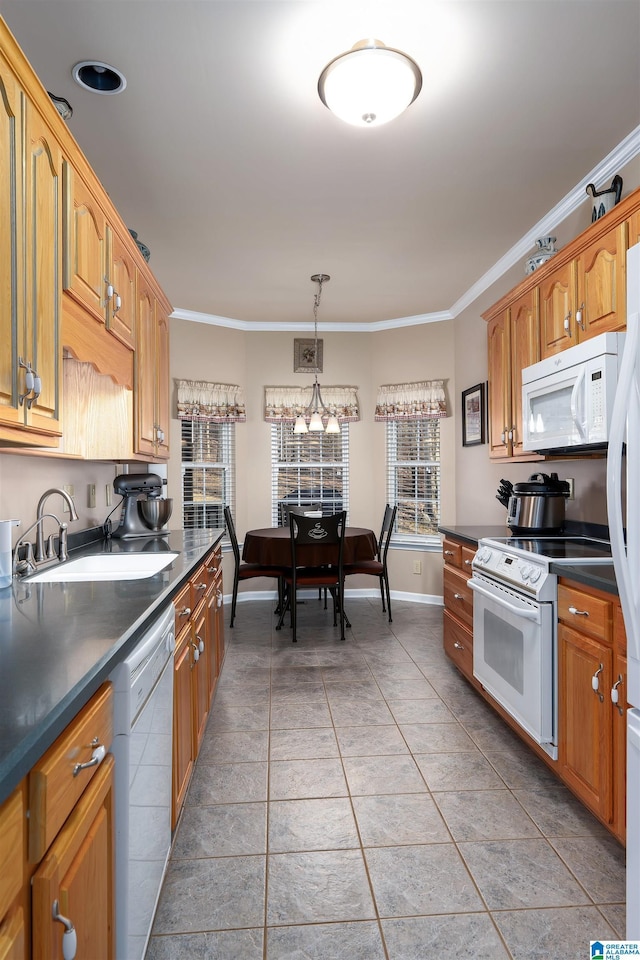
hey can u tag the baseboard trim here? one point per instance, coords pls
(247, 596)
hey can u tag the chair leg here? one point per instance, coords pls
(293, 606)
(234, 600)
(384, 609)
(284, 606)
(386, 583)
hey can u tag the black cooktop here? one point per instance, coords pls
(560, 549)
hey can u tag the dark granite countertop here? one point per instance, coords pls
(471, 534)
(60, 641)
(601, 576)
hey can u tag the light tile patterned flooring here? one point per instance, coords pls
(359, 801)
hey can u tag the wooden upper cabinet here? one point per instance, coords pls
(85, 247)
(601, 272)
(499, 386)
(121, 305)
(633, 227)
(151, 380)
(525, 350)
(557, 310)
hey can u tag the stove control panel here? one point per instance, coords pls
(525, 573)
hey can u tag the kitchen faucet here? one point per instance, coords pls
(25, 565)
(40, 514)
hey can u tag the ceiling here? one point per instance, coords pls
(241, 182)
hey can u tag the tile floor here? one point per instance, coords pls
(359, 801)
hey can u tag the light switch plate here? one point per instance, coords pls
(91, 494)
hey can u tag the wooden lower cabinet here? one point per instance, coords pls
(201, 650)
(182, 724)
(585, 721)
(78, 873)
(458, 605)
(13, 935)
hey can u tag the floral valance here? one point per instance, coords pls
(411, 401)
(287, 403)
(201, 400)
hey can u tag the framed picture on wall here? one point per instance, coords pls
(474, 416)
(304, 356)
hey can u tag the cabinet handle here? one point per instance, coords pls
(448, 553)
(467, 563)
(595, 683)
(97, 757)
(567, 325)
(200, 586)
(219, 597)
(458, 596)
(615, 696)
(212, 570)
(185, 612)
(200, 643)
(579, 315)
(196, 653)
(457, 645)
(578, 613)
(69, 937)
(117, 302)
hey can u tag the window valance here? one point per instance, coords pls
(201, 400)
(411, 401)
(287, 403)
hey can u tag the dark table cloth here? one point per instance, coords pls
(271, 546)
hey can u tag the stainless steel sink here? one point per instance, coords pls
(106, 566)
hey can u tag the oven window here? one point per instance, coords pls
(504, 650)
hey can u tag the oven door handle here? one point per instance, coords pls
(519, 611)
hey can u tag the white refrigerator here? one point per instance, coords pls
(623, 506)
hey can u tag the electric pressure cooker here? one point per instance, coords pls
(537, 505)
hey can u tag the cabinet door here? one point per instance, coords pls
(200, 675)
(43, 262)
(525, 350)
(182, 722)
(12, 936)
(11, 378)
(86, 246)
(557, 311)
(145, 372)
(78, 873)
(585, 735)
(499, 387)
(121, 305)
(601, 303)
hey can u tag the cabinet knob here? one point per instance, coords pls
(567, 324)
(200, 586)
(448, 553)
(595, 683)
(578, 613)
(185, 612)
(457, 645)
(615, 698)
(580, 316)
(467, 563)
(458, 596)
(69, 938)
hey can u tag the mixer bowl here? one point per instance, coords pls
(155, 512)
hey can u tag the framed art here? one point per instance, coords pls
(304, 356)
(474, 417)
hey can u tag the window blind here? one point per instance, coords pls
(308, 468)
(413, 475)
(208, 466)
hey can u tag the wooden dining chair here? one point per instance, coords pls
(249, 571)
(309, 531)
(378, 567)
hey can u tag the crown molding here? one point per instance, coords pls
(627, 150)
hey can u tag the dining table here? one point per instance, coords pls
(271, 547)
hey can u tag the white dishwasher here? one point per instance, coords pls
(142, 746)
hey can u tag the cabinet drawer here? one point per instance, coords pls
(458, 644)
(586, 613)
(53, 788)
(458, 598)
(468, 553)
(199, 585)
(452, 552)
(182, 607)
(11, 849)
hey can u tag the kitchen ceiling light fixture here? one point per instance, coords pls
(317, 408)
(99, 77)
(369, 84)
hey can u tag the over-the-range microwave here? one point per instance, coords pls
(567, 399)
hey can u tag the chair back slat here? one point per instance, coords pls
(329, 531)
(388, 522)
(231, 530)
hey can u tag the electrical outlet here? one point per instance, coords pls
(68, 488)
(417, 566)
(108, 490)
(91, 494)
(571, 481)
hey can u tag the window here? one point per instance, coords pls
(208, 461)
(413, 476)
(309, 468)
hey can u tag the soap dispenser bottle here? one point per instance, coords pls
(5, 551)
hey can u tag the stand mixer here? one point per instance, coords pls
(144, 511)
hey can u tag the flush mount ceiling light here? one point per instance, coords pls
(99, 77)
(370, 84)
(317, 409)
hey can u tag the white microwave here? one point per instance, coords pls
(567, 399)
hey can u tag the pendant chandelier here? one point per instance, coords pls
(369, 84)
(316, 409)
